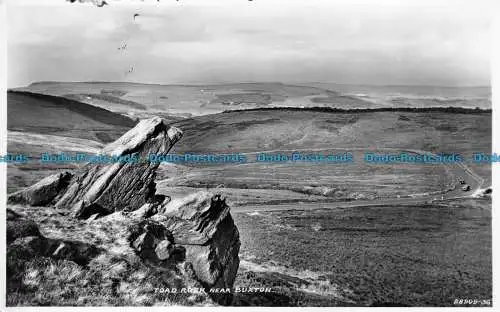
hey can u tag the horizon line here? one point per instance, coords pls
(251, 82)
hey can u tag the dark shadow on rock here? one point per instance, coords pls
(216, 207)
(152, 241)
(178, 254)
(94, 210)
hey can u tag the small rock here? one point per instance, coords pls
(140, 242)
(164, 249)
(59, 250)
(93, 217)
(143, 212)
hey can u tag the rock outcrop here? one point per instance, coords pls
(25, 241)
(202, 224)
(43, 192)
(126, 184)
(121, 178)
(115, 206)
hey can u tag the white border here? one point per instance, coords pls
(495, 86)
(3, 146)
(495, 62)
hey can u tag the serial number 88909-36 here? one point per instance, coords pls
(472, 301)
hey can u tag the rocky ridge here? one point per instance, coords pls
(109, 210)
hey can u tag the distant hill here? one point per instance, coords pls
(175, 102)
(144, 100)
(47, 114)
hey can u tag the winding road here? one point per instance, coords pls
(457, 169)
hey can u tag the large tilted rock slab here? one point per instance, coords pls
(103, 188)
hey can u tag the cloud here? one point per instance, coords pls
(402, 44)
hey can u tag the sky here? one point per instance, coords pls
(445, 43)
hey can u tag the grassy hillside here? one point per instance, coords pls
(418, 255)
(45, 114)
(40, 123)
(256, 130)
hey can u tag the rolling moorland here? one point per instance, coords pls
(179, 101)
(296, 234)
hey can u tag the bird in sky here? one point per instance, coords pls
(99, 3)
(136, 15)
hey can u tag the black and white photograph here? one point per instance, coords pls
(248, 153)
